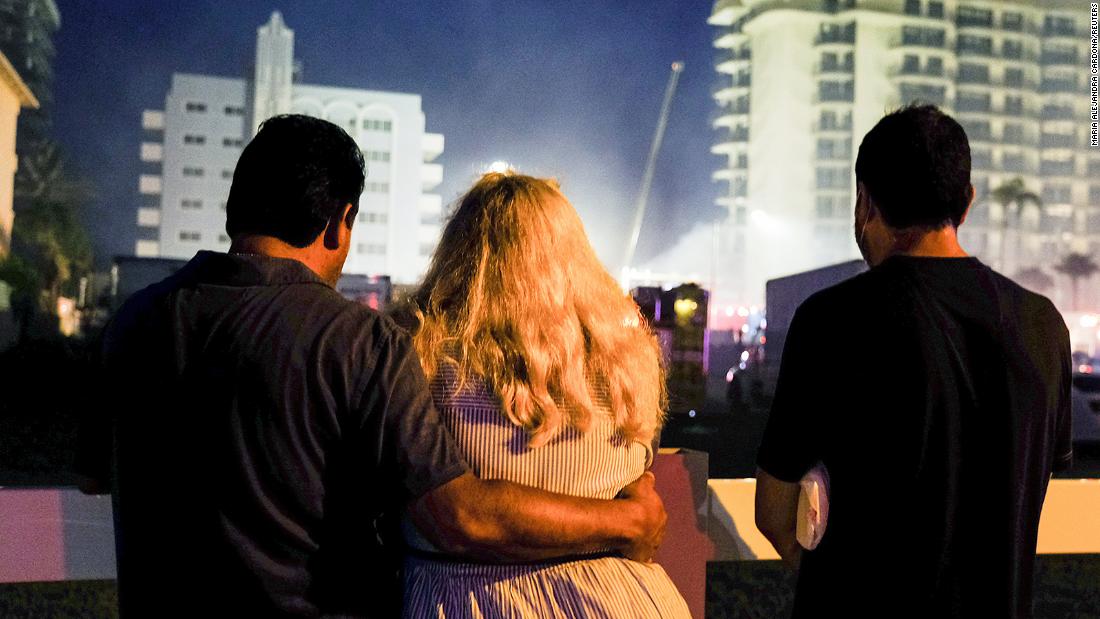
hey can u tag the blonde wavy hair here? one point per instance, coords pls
(515, 295)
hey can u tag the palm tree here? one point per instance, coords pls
(1034, 278)
(1013, 193)
(1076, 267)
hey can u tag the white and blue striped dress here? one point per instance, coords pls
(597, 463)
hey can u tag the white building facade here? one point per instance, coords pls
(192, 146)
(801, 82)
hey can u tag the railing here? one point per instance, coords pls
(1055, 140)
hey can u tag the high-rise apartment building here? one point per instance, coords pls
(192, 146)
(801, 82)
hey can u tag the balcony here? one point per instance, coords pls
(974, 105)
(734, 88)
(152, 120)
(1016, 165)
(728, 174)
(431, 204)
(733, 61)
(729, 140)
(147, 249)
(148, 217)
(152, 152)
(149, 184)
(843, 127)
(729, 115)
(431, 175)
(431, 146)
(982, 160)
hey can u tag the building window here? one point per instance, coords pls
(973, 102)
(223, 205)
(974, 73)
(195, 107)
(1012, 49)
(969, 44)
(373, 218)
(223, 238)
(426, 249)
(1014, 105)
(934, 66)
(384, 126)
(1014, 78)
(1014, 133)
(192, 171)
(923, 37)
(981, 158)
(375, 249)
(1014, 162)
(970, 16)
(935, 9)
(371, 187)
(227, 175)
(376, 155)
(190, 204)
(1012, 21)
(194, 139)
(232, 142)
(1056, 194)
(1094, 195)
(824, 207)
(190, 236)
(910, 64)
(1094, 167)
(833, 178)
(912, 7)
(232, 110)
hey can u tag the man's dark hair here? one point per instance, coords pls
(294, 177)
(915, 164)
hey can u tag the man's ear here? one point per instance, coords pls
(969, 205)
(339, 228)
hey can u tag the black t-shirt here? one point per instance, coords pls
(937, 394)
(262, 423)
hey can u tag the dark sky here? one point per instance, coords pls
(566, 89)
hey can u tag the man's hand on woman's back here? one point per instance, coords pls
(652, 518)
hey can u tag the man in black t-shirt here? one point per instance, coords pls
(257, 423)
(940, 414)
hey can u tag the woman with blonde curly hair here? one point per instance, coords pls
(546, 375)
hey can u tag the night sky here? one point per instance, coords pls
(570, 90)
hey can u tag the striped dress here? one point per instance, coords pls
(597, 463)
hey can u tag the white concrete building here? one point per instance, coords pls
(801, 82)
(14, 96)
(192, 146)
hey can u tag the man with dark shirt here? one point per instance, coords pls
(261, 423)
(940, 415)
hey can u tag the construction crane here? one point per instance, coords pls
(647, 178)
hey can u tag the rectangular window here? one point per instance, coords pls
(189, 236)
(373, 218)
(1014, 105)
(974, 73)
(227, 175)
(1012, 21)
(910, 64)
(376, 155)
(912, 7)
(193, 171)
(1014, 77)
(232, 110)
(934, 66)
(232, 142)
(190, 204)
(969, 44)
(374, 187)
(1094, 195)
(1012, 49)
(824, 207)
(935, 9)
(426, 249)
(1014, 133)
(375, 249)
(194, 139)
(195, 107)
(974, 17)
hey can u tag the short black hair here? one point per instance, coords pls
(294, 177)
(915, 164)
